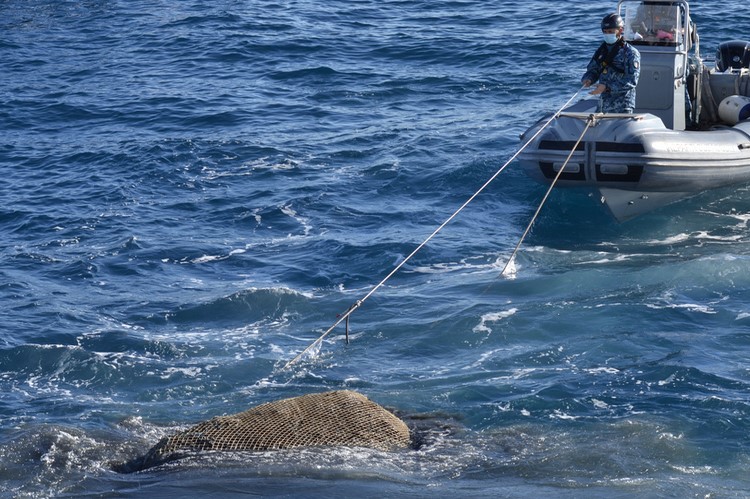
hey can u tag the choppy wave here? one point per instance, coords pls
(193, 193)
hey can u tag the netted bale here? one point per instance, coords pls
(339, 418)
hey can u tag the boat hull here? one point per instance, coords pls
(634, 161)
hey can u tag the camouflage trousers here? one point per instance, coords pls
(616, 104)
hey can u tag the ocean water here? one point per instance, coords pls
(193, 191)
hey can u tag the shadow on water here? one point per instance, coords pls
(575, 219)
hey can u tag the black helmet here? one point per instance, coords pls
(612, 21)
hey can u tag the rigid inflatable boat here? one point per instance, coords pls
(690, 131)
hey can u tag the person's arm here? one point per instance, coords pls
(593, 71)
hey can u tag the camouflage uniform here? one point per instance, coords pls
(620, 77)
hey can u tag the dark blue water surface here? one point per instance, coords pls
(192, 191)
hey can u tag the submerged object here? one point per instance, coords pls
(680, 140)
(338, 418)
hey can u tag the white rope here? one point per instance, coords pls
(589, 122)
(359, 302)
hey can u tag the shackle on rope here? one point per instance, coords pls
(348, 314)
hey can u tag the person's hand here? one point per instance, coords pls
(600, 89)
(587, 83)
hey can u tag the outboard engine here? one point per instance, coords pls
(733, 55)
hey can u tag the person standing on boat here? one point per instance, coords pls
(616, 66)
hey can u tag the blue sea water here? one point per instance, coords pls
(193, 191)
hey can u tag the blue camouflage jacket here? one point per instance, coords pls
(620, 76)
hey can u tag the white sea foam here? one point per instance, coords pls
(482, 327)
(208, 258)
(189, 372)
(666, 435)
(266, 163)
(695, 470)
(476, 264)
(675, 239)
(599, 404)
(303, 221)
(558, 414)
(692, 307)
(606, 258)
(510, 270)
(603, 370)
(669, 380)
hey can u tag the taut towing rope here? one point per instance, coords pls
(589, 122)
(345, 316)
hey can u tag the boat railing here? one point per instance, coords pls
(602, 116)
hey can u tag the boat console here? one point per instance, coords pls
(675, 84)
(662, 32)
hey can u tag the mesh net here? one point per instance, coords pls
(339, 418)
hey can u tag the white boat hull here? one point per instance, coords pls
(634, 161)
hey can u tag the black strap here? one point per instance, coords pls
(610, 51)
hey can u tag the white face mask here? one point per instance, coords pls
(610, 38)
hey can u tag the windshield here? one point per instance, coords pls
(654, 23)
